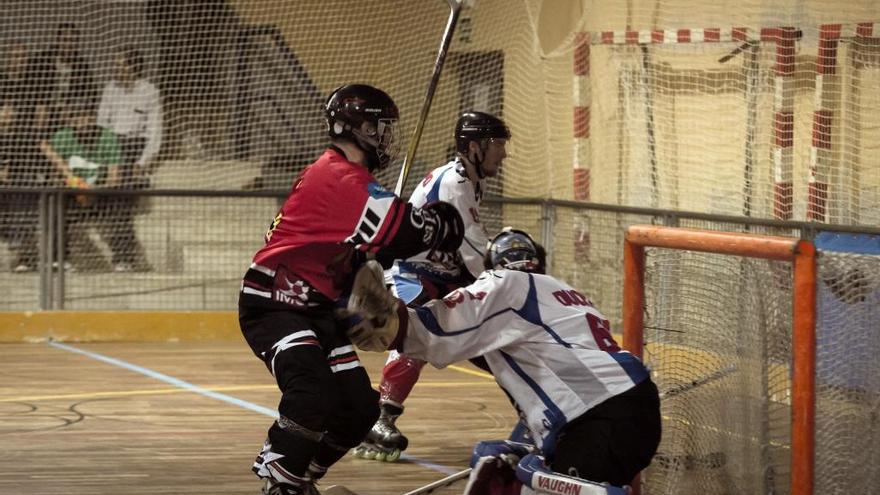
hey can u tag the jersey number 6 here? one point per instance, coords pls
(599, 327)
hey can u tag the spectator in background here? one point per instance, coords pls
(18, 158)
(87, 156)
(131, 108)
(62, 79)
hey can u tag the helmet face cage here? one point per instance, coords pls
(513, 249)
(387, 142)
(350, 106)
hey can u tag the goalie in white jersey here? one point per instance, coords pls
(480, 140)
(591, 407)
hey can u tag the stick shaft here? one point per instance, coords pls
(454, 10)
(703, 380)
(441, 483)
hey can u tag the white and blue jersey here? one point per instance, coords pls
(410, 277)
(545, 343)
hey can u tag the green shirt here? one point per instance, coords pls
(87, 163)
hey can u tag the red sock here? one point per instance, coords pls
(399, 376)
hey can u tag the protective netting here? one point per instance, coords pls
(761, 109)
(718, 333)
(847, 373)
(241, 83)
(718, 341)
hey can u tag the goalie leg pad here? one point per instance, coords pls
(533, 473)
(521, 434)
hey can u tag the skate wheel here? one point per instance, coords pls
(358, 452)
(381, 456)
(393, 456)
(370, 454)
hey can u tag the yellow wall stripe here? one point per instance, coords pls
(119, 326)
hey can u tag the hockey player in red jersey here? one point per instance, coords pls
(336, 213)
(480, 140)
(590, 407)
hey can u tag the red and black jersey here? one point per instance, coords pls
(335, 209)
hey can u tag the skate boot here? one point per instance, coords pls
(384, 442)
(272, 487)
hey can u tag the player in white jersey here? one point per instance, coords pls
(480, 140)
(591, 407)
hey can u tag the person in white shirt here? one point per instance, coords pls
(480, 140)
(590, 407)
(131, 108)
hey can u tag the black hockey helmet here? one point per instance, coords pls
(514, 249)
(477, 126)
(349, 106)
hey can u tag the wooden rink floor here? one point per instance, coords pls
(178, 418)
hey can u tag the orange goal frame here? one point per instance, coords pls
(802, 255)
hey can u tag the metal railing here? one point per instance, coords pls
(197, 244)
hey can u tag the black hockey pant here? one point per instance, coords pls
(327, 403)
(613, 441)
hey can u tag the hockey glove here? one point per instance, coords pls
(370, 298)
(493, 466)
(449, 227)
(373, 308)
(372, 334)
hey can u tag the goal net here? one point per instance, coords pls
(721, 338)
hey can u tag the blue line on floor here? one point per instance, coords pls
(216, 395)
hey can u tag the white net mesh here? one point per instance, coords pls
(723, 107)
(718, 333)
(242, 82)
(848, 374)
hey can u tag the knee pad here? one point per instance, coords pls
(304, 384)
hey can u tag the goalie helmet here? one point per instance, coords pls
(477, 126)
(514, 249)
(350, 106)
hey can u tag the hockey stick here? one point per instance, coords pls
(443, 483)
(338, 490)
(454, 10)
(711, 377)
